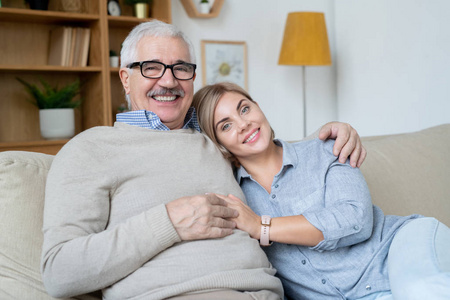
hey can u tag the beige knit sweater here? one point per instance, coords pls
(106, 225)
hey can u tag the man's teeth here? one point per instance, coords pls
(252, 136)
(165, 98)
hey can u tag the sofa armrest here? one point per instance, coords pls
(22, 185)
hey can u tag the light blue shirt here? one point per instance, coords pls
(148, 119)
(351, 260)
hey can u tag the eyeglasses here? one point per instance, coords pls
(155, 70)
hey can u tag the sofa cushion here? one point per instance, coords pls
(410, 173)
(22, 184)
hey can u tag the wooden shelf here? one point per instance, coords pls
(44, 146)
(45, 68)
(193, 12)
(45, 17)
(25, 55)
(124, 21)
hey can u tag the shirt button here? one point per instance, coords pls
(368, 287)
(274, 196)
(303, 261)
(356, 227)
(276, 186)
(324, 281)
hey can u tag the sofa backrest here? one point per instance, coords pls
(406, 173)
(410, 173)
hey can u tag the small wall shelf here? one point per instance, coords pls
(193, 12)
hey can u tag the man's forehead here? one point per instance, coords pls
(162, 49)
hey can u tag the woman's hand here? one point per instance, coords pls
(247, 220)
(287, 230)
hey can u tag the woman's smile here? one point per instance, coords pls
(252, 137)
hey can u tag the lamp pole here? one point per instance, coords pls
(304, 100)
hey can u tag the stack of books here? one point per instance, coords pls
(69, 46)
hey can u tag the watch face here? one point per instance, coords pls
(113, 8)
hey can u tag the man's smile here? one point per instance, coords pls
(168, 98)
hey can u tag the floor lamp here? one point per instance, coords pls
(305, 43)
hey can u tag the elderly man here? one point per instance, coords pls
(128, 208)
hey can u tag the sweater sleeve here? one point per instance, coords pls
(347, 216)
(81, 253)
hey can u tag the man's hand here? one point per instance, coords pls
(247, 220)
(348, 143)
(201, 217)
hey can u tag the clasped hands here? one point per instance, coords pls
(211, 216)
(201, 217)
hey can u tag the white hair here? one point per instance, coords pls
(155, 28)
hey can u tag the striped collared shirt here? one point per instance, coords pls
(148, 119)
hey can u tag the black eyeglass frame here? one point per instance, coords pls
(140, 63)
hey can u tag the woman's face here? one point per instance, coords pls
(241, 126)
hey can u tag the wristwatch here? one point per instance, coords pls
(264, 240)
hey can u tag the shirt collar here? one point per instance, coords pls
(290, 158)
(148, 119)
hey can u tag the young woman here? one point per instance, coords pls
(314, 215)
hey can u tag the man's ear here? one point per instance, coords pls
(195, 75)
(125, 79)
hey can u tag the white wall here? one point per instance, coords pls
(278, 89)
(391, 62)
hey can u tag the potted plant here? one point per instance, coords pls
(204, 7)
(113, 59)
(38, 4)
(141, 8)
(56, 107)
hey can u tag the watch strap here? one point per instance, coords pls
(264, 240)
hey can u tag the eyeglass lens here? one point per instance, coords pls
(156, 70)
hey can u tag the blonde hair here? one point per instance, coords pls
(205, 103)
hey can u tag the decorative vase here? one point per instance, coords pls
(141, 10)
(204, 8)
(57, 123)
(71, 6)
(38, 4)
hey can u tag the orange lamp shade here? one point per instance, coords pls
(305, 40)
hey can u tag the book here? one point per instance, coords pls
(59, 40)
(85, 47)
(71, 48)
(78, 45)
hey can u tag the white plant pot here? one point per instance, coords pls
(57, 123)
(204, 8)
(114, 61)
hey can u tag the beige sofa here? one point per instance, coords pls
(406, 173)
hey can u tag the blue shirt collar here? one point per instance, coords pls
(148, 119)
(290, 158)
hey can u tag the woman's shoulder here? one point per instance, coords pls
(315, 147)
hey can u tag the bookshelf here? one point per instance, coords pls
(25, 36)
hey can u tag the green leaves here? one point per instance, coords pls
(52, 97)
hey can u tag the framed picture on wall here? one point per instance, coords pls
(224, 61)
